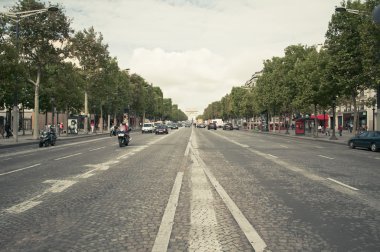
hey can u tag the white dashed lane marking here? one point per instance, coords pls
(76, 154)
(5, 173)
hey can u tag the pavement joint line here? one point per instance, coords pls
(76, 154)
(163, 236)
(5, 173)
(325, 157)
(343, 184)
(249, 231)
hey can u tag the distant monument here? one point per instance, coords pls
(191, 113)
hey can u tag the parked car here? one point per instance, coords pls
(368, 139)
(148, 128)
(211, 126)
(162, 129)
(236, 127)
(228, 126)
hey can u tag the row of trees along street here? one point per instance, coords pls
(51, 60)
(310, 79)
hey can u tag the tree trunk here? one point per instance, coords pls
(86, 118)
(101, 119)
(65, 126)
(315, 133)
(356, 121)
(36, 111)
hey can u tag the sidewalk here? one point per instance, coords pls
(27, 139)
(346, 135)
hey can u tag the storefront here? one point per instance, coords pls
(323, 120)
(348, 119)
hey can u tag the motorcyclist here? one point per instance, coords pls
(51, 132)
(123, 127)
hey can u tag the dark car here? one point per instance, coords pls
(174, 126)
(228, 126)
(211, 126)
(201, 125)
(162, 129)
(368, 139)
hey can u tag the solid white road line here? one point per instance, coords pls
(342, 184)
(325, 157)
(162, 239)
(5, 173)
(284, 146)
(76, 154)
(273, 156)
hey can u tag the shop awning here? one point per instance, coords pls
(320, 117)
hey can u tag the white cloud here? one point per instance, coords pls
(191, 78)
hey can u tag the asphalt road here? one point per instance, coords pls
(190, 190)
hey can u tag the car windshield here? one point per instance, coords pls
(364, 134)
(190, 125)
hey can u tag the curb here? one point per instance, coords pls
(303, 138)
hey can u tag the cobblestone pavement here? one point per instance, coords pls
(234, 196)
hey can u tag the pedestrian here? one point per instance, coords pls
(8, 130)
(92, 126)
(340, 128)
(60, 127)
(2, 130)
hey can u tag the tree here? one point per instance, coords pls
(88, 48)
(39, 36)
(346, 44)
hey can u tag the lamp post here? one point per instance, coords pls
(376, 20)
(16, 17)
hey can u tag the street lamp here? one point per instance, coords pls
(16, 17)
(376, 20)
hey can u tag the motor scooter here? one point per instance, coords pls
(123, 138)
(47, 138)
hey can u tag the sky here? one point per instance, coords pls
(197, 50)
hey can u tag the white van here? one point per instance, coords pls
(148, 128)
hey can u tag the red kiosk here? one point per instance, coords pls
(303, 125)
